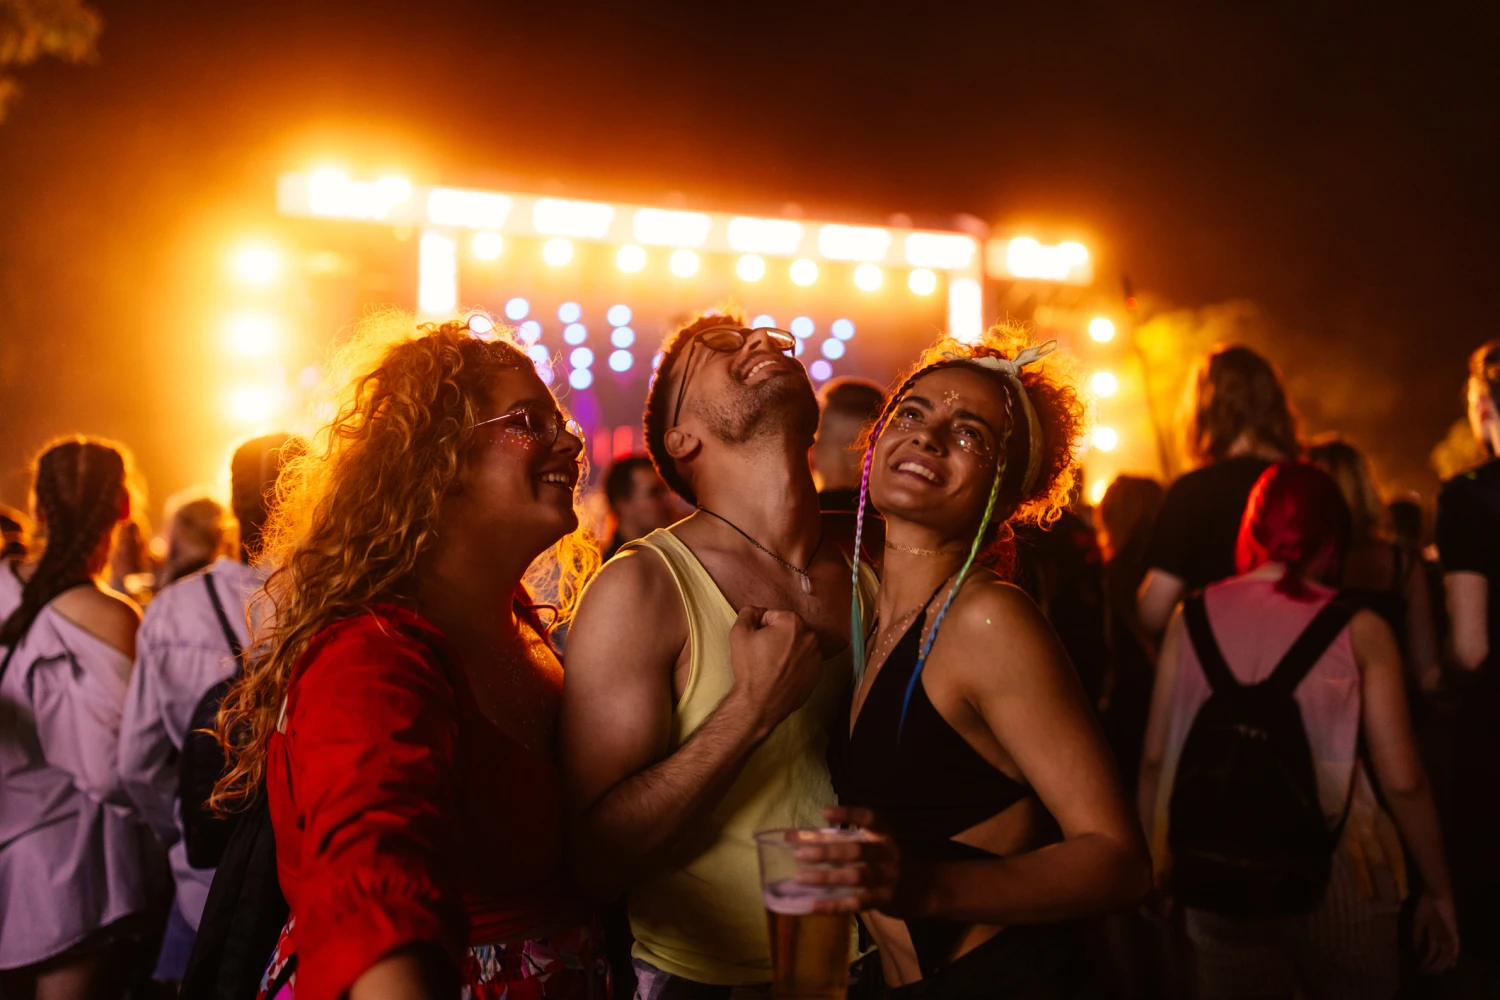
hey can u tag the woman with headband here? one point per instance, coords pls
(969, 748)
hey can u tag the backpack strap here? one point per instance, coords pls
(1210, 656)
(1310, 646)
(229, 636)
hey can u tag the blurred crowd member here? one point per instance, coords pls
(1126, 515)
(399, 708)
(1468, 539)
(848, 406)
(979, 754)
(1407, 521)
(130, 561)
(1238, 424)
(1381, 573)
(638, 501)
(692, 716)
(1270, 693)
(15, 533)
(190, 639)
(196, 536)
(75, 860)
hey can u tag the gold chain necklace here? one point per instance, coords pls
(913, 550)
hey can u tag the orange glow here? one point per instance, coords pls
(804, 271)
(683, 263)
(1102, 329)
(1104, 384)
(559, 217)
(630, 258)
(774, 236)
(251, 335)
(487, 245)
(868, 277)
(437, 274)
(674, 229)
(922, 281)
(253, 404)
(557, 251)
(1097, 489)
(751, 267)
(853, 242)
(1106, 438)
(949, 251)
(255, 263)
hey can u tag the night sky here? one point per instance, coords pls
(1337, 169)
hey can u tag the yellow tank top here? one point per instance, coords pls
(701, 917)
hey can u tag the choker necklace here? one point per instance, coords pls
(913, 550)
(801, 573)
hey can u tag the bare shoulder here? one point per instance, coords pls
(995, 624)
(631, 607)
(111, 616)
(1371, 634)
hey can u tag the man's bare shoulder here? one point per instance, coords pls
(633, 600)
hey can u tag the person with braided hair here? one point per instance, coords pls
(76, 862)
(967, 746)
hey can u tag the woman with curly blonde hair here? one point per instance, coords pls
(969, 743)
(400, 703)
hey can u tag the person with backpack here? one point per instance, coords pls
(1280, 777)
(190, 643)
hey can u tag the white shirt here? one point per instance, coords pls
(181, 652)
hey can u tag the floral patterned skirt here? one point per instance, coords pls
(568, 965)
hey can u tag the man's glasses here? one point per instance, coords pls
(727, 340)
(540, 424)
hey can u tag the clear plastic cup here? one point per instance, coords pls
(810, 951)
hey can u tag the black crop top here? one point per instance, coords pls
(927, 789)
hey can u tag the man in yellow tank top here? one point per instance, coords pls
(692, 715)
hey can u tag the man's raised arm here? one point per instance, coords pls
(630, 795)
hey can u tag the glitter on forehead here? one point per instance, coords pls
(950, 397)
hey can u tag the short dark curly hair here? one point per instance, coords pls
(661, 397)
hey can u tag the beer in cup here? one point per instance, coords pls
(810, 951)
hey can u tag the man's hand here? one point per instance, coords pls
(776, 664)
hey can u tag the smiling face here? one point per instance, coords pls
(934, 463)
(739, 395)
(515, 488)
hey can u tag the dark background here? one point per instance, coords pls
(1334, 167)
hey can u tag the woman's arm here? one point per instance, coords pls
(1468, 616)
(1394, 756)
(1158, 595)
(1423, 655)
(1154, 749)
(1013, 670)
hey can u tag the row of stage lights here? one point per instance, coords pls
(622, 337)
(1102, 385)
(684, 263)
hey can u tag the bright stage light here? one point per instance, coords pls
(621, 361)
(252, 335)
(832, 349)
(544, 372)
(1102, 329)
(630, 258)
(764, 319)
(656, 360)
(1106, 438)
(842, 329)
(1026, 258)
(481, 325)
(331, 193)
(662, 227)
(437, 274)
(581, 357)
(469, 209)
(922, 281)
(530, 331)
(774, 236)
(569, 312)
(804, 271)
(948, 251)
(517, 308)
(253, 404)
(255, 263)
(868, 277)
(1097, 489)
(1104, 384)
(820, 370)
(965, 309)
(539, 354)
(622, 336)
(557, 251)
(487, 245)
(803, 326)
(580, 378)
(751, 267)
(853, 242)
(560, 217)
(618, 315)
(683, 263)
(575, 333)
(799, 347)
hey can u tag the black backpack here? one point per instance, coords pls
(202, 762)
(1246, 830)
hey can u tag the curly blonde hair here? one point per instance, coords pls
(356, 511)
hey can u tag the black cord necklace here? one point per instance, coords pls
(801, 573)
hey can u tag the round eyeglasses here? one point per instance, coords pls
(537, 422)
(727, 340)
